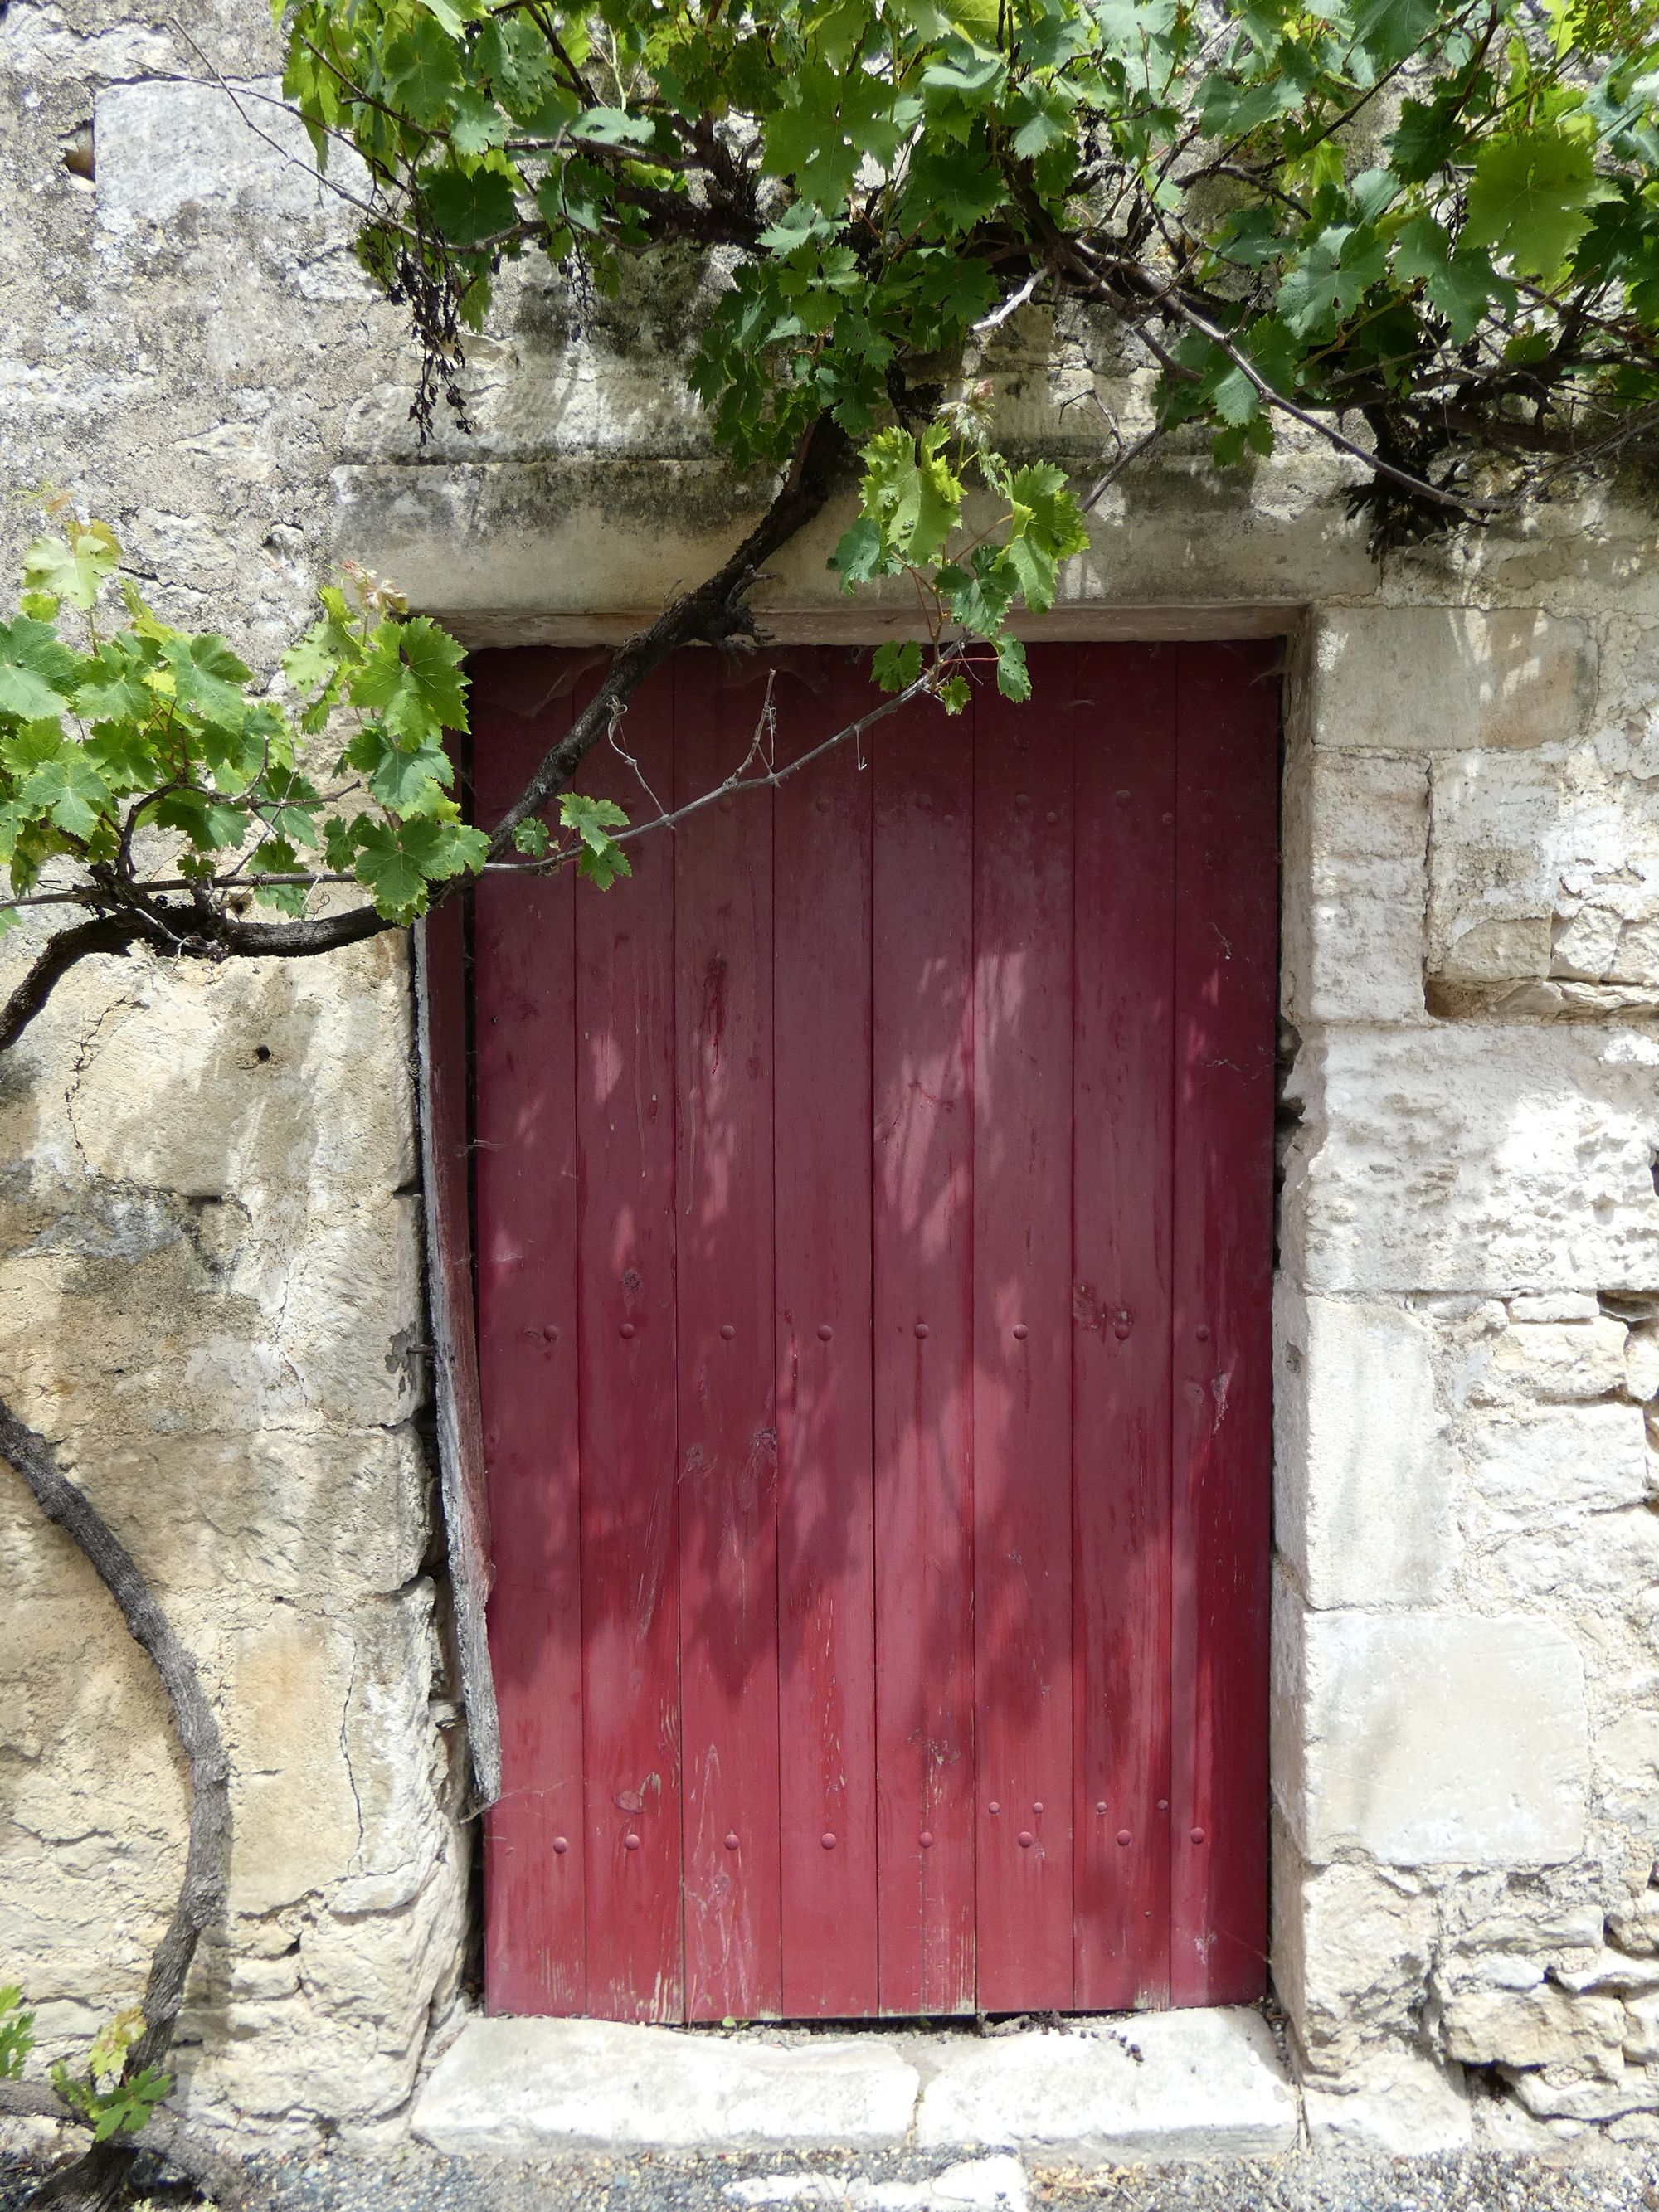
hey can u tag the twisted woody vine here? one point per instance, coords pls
(1424, 236)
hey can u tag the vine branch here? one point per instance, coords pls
(98, 2176)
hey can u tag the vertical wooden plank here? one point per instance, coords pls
(922, 1097)
(1022, 1411)
(1227, 812)
(526, 1184)
(826, 1567)
(1121, 703)
(727, 1407)
(630, 1528)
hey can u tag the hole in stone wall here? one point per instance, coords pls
(77, 151)
(262, 1052)
(1287, 1115)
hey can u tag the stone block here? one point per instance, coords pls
(1504, 1970)
(380, 1968)
(1402, 2104)
(1526, 1917)
(1356, 888)
(264, 1072)
(1474, 1157)
(165, 148)
(37, 43)
(296, 1823)
(1609, 1973)
(521, 2088)
(1547, 1359)
(1568, 2093)
(1427, 679)
(1634, 1926)
(1431, 1740)
(1540, 868)
(1552, 1463)
(1641, 2030)
(331, 1742)
(1642, 1362)
(1540, 2027)
(1608, 1558)
(1553, 1305)
(1351, 1947)
(314, 1513)
(352, 1311)
(501, 548)
(1169, 2085)
(1363, 1494)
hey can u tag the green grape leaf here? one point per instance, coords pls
(467, 207)
(613, 126)
(1042, 118)
(859, 555)
(1328, 281)
(601, 860)
(24, 693)
(37, 672)
(393, 878)
(212, 825)
(1034, 572)
(1013, 677)
(422, 75)
(1530, 199)
(603, 867)
(69, 788)
(72, 567)
(16, 2025)
(411, 674)
(476, 123)
(1460, 285)
(208, 678)
(1385, 31)
(410, 781)
(894, 667)
(443, 847)
(1233, 394)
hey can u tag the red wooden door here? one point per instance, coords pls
(874, 1221)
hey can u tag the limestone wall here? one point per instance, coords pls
(210, 1265)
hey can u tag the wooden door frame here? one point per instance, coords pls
(445, 1107)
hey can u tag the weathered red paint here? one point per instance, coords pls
(524, 1164)
(1221, 1334)
(1121, 706)
(821, 827)
(1022, 1359)
(874, 1240)
(625, 1258)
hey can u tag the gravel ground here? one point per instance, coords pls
(408, 2179)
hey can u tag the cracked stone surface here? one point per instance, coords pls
(1172, 2084)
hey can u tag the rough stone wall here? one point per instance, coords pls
(211, 1287)
(209, 1260)
(1468, 1764)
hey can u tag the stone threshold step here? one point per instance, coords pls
(1136, 2085)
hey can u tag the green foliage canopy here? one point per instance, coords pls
(1430, 232)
